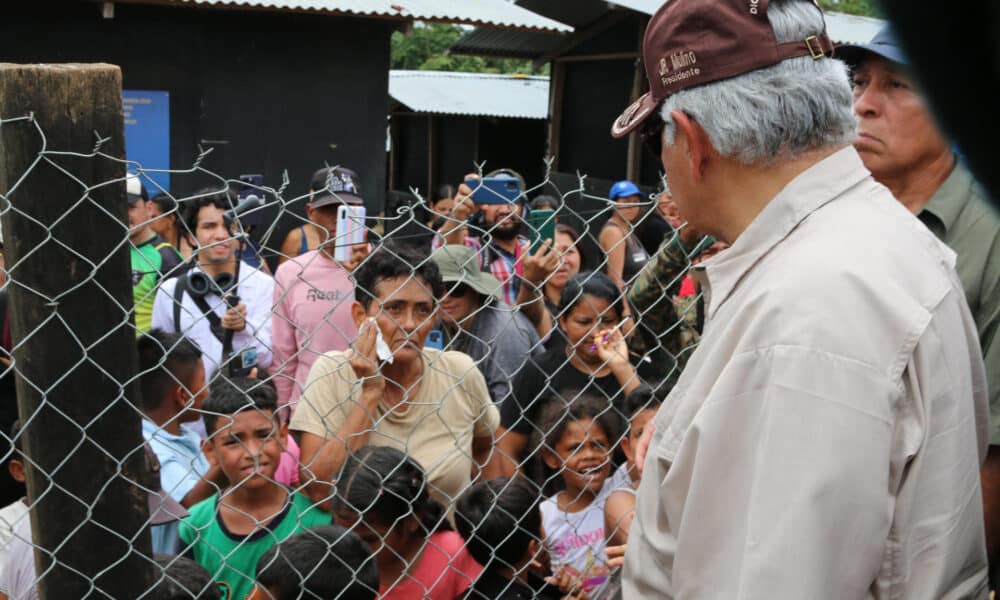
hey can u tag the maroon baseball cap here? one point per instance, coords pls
(693, 42)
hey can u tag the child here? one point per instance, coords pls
(382, 496)
(323, 562)
(172, 385)
(502, 525)
(640, 407)
(182, 579)
(579, 435)
(228, 532)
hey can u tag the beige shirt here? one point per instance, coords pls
(435, 427)
(824, 440)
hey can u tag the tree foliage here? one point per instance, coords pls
(425, 48)
(865, 8)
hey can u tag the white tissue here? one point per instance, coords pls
(381, 348)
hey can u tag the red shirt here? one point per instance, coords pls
(445, 571)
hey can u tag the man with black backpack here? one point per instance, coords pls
(218, 303)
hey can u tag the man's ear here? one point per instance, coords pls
(699, 147)
(16, 469)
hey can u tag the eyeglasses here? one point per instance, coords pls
(651, 134)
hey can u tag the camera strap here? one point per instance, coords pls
(214, 322)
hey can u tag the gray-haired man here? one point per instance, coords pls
(825, 438)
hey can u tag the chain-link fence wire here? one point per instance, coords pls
(424, 361)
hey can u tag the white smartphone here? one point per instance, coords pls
(350, 231)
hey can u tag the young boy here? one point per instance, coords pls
(228, 532)
(172, 383)
(323, 562)
(501, 522)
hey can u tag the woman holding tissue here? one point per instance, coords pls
(389, 390)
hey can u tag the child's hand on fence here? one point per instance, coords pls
(541, 265)
(364, 358)
(235, 318)
(616, 555)
(569, 583)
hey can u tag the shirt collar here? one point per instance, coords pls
(948, 201)
(811, 189)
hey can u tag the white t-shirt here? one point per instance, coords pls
(10, 516)
(256, 290)
(17, 580)
(620, 479)
(575, 541)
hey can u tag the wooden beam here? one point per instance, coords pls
(555, 111)
(70, 314)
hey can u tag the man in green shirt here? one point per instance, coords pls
(153, 259)
(902, 147)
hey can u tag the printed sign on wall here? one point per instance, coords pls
(147, 135)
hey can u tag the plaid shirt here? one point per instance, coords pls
(510, 281)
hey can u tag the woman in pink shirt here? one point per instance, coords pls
(382, 496)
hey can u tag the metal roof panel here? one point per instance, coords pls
(473, 94)
(495, 13)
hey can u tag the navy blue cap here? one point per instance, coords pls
(623, 189)
(883, 44)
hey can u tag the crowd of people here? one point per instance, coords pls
(770, 383)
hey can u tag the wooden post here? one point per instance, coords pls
(70, 304)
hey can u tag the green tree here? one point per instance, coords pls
(425, 48)
(865, 8)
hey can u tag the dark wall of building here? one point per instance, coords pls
(460, 143)
(595, 92)
(269, 92)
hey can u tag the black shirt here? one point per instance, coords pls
(544, 377)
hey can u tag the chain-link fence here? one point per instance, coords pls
(406, 404)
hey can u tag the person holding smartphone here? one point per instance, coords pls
(313, 291)
(501, 249)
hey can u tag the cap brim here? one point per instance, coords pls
(343, 198)
(634, 115)
(132, 198)
(854, 54)
(164, 509)
(483, 283)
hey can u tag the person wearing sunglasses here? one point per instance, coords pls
(477, 322)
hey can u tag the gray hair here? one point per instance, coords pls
(774, 113)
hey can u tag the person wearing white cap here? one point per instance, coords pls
(153, 258)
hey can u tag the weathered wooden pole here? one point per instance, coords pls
(70, 299)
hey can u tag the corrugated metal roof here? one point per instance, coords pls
(489, 41)
(647, 7)
(495, 13)
(843, 28)
(852, 29)
(474, 94)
